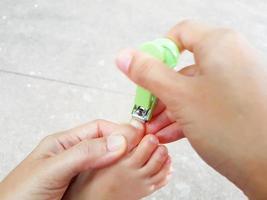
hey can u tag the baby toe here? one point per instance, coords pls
(163, 182)
(163, 175)
(160, 179)
(156, 161)
(144, 150)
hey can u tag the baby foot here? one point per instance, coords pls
(138, 174)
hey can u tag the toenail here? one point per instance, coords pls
(153, 140)
(162, 151)
(136, 124)
(169, 161)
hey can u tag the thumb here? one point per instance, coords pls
(88, 154)
(151, 74)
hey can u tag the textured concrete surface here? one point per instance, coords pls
(57, 71)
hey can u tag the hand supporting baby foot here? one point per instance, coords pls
(140, 173)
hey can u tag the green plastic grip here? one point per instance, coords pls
(166, 51)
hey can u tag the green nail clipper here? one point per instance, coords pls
(166, 51)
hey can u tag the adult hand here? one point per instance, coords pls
(219, 103)
(47, 172)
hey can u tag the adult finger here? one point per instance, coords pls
(152, 74)
(88, 154)
(94, 129)
(159, 108)
(188, 34)
(170, 133)
(159, 122)
(191, 70)
(66, 139)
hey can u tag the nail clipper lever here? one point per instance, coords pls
(166, 51)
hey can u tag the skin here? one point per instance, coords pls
(47, 172)
(83, 163)
(218, 103)
(138, 174)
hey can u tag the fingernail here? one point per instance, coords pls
(124, 60)
(115, 142)
(136, 124)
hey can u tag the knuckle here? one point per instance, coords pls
(180, 26)
(186, 22)
(229, 39)
(92, 147)
(87, 148)
(229, 34)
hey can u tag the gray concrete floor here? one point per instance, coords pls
(57, 71)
